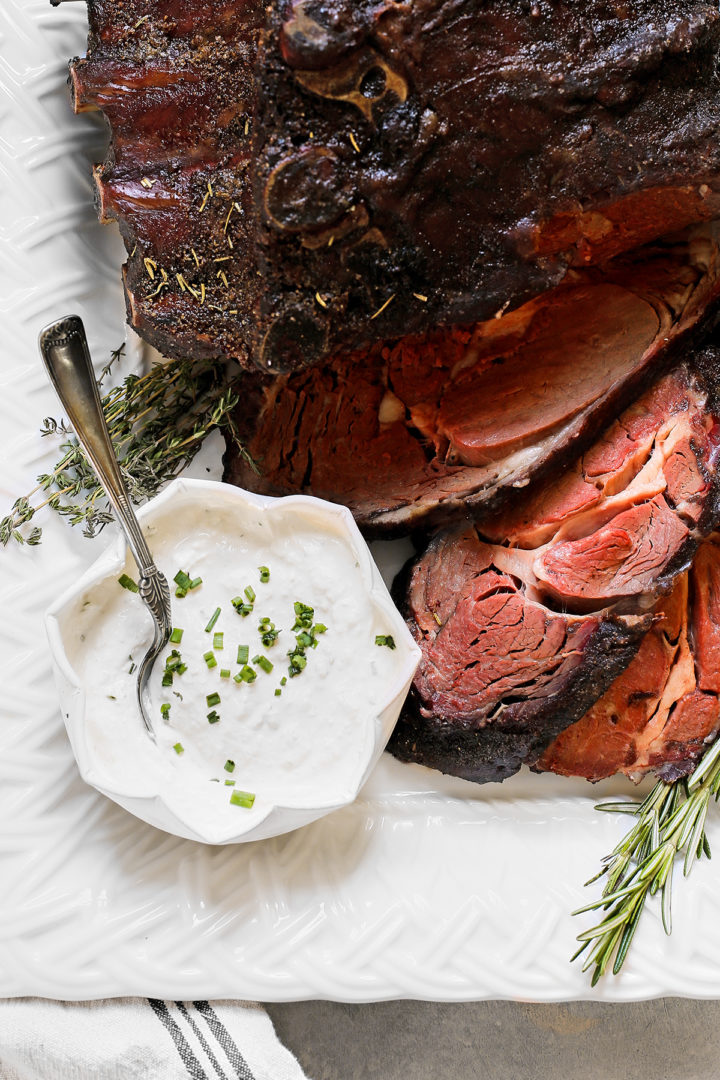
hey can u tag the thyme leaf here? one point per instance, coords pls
(668, 822)
(157, 423)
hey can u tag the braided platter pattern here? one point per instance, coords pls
(424, 888)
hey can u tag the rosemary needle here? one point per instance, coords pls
(669, 821)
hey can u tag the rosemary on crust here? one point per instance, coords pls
(157, 423)
(670, 821)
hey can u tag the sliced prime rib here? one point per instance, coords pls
(662, 711)
(501, 673)
(446, 424)
(628, 514)
(525, 625)
(367, 169)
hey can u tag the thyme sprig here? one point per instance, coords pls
(669, 821)
(157, 423)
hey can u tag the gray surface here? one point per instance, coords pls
(669, 1039)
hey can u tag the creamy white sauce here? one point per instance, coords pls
(305, 747)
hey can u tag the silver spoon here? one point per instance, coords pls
(64, 349)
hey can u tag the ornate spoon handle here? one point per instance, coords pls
(65, 352)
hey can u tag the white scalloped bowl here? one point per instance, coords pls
(113, 752)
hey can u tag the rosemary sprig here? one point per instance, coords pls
(669, 821)
(157, 423)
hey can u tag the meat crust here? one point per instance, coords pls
(370, 170)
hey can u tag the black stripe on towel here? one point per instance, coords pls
(191, 1063)
(225, 1039)
(202, 1040)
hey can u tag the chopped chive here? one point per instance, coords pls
(180, 593)
(268, 633)
(182, 580)
(167, 679)
(218, 640)
(385, 639)
(283, 681)
(229, 765)
(242, 798)
(303, 616)
(298, 663)
(195, 582)
(176, 636)
(128, 583)
(224, 673)
(132, 668)
(213, 619)
(304, 639)
(213, 717)
(248, 674)
(241, 607)
(179, 748)
(230, 783)
(319, 628)
(213, 699)
(250, 593)
(243, 653)
(264, 663)
(264, 574)
(278, 692)
(165, 711)
(209, 658)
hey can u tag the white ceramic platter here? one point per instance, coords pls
(425, 887)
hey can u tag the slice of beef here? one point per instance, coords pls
(446, 424)
(630, 512)
(663, 710)
(528, 622)
(501, 673)
(369, 169)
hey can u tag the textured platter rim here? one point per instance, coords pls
(422, 889)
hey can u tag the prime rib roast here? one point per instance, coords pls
(434, 427)
(525, 620)
(302, 177)
(473, 248)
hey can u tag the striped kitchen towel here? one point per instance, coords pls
(140, 1039)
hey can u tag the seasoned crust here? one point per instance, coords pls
(388, 168)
